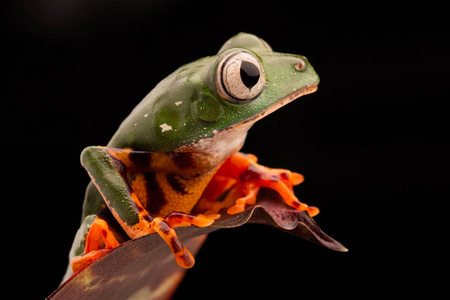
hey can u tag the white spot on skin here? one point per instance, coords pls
(165, 127)
(146, 115)
(178, 103)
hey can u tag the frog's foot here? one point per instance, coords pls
(99, 241)
(249, 177)
(249, 191)
(165, 228)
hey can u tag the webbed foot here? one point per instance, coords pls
(98, 242)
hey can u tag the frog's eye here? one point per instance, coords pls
(240, 77)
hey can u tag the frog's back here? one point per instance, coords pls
(164, 120)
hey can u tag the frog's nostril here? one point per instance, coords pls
(300, 66)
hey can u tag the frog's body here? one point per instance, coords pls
(178, 149)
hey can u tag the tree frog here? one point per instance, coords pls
(178, 150)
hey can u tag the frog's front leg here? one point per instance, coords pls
(242, 177)
(108, 169)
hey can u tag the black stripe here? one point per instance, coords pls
(176, 185)
(183, 160)
(155, 195)
(141, 158)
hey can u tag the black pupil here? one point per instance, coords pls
(249, 74)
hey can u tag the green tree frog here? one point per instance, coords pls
(178, 150)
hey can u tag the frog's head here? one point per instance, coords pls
(225, 94)
(253, 81)
(247, 80)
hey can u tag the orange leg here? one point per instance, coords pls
(99, 241)
(165, 228)
(249, 176)
(183, 257)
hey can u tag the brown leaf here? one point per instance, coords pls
(145, 267)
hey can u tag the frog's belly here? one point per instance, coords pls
(163, 192)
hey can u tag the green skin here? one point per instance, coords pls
(183, 110)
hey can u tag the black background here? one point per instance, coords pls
(372, 142)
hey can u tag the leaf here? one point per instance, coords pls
(144, 268)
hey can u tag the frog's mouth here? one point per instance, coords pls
(309, 89)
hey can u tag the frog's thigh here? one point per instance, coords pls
(79, 243)
(109, 176)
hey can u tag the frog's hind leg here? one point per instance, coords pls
(250, 177)
(99, 240)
